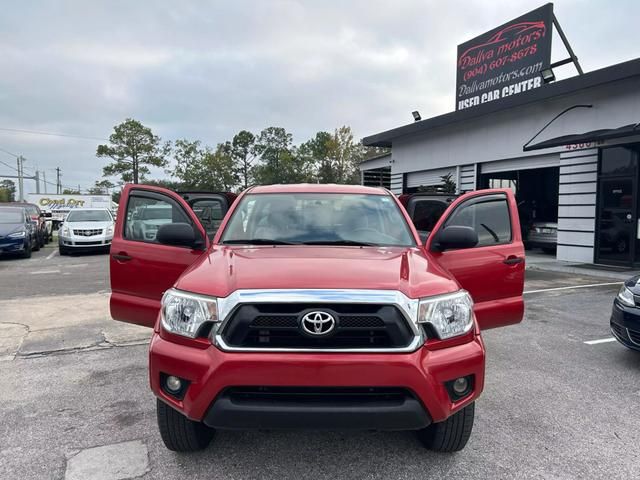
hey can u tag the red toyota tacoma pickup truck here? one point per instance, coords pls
(315, 306)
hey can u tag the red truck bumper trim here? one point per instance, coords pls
(210, 371)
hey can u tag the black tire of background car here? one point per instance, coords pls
(549, 250)
(63, 251)
(452, 434)
(26, 253)
(36, 244)
(179, 433)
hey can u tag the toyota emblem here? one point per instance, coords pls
(318, 323)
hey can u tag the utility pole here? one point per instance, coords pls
(37, 181)
(20, 161)
(44, 181)
(58, 186)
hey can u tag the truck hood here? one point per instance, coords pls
(226, 269)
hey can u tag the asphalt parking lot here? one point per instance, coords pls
(75, 395)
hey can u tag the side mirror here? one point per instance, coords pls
(179, 234)
(47, 214)
(455, 237)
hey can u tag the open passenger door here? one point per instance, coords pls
(491, 269)
(146, 259)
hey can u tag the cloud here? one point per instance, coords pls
(208, 69)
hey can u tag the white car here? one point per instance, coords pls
(86, 228)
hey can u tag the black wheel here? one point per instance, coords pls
(63, 250)
(27, 251)
(549, 250)
(452, 434)
(36, 243)
(179, 433)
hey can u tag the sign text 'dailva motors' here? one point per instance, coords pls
(506, 60)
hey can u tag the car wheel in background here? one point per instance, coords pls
(63, 250)
(452, 434)
(179, 433)
(26, 253)
(549, 250)
(35, 246)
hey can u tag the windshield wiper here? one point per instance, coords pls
(257, 241)
(341, 243)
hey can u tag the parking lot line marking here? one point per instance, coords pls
(52, 254)
(602, 340)
(555, 289)
(42, 272)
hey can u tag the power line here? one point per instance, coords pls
(10, 166)
(51, 134)
(8, 152)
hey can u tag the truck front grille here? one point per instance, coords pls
(277, 325)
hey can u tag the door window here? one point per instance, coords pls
(145, 215)
(488, 216)
(210, 212)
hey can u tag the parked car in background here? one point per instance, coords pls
(17, 231)
(625, 316)
(86, 229)
(38, 217)
(543, 235)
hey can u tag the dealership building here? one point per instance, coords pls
(582, 171)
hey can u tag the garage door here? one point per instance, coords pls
(426, 178)
(535, 161)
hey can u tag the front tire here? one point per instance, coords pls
(452, 434)
(179, 433)
(27, 251)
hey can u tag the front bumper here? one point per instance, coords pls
(12, 245)
(625, 325)
(84, 242)
(542, 240)
(212, 372)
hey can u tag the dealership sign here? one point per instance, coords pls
(505, 61)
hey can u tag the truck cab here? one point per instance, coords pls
(316, 306)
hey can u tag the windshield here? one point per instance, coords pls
(318, 219)
(89, 216)
(13, 215)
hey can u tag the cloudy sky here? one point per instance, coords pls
(204, 70)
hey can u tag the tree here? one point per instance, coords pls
(243, 152)
(101, 187)
(344, 156)
(201, 168)
(70, 191)
(272, 145)
(133, 148)
(317, 152)
(7, 191)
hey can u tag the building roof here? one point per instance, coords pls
(318, 188)
(620, 71)
(587, 137)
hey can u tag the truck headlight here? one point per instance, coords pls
(21, 234)
(450, 315)
(109, 230)
(185, 313)
(65, 231)
(625, 297)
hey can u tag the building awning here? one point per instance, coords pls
(588, 137)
